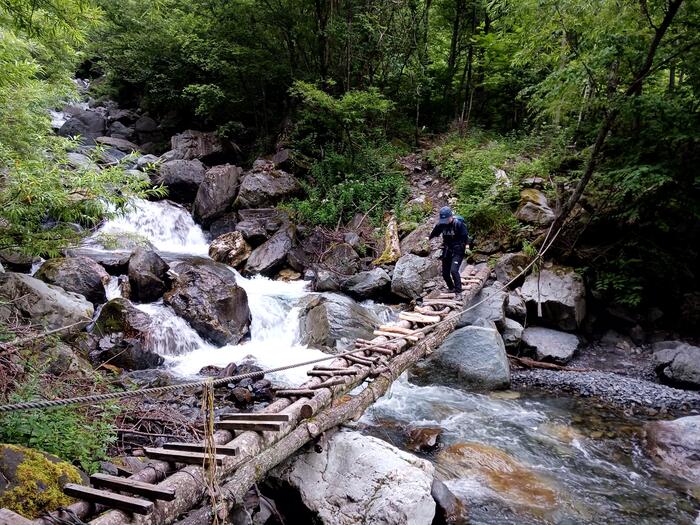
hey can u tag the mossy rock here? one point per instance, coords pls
(122, 241)
(31, 482)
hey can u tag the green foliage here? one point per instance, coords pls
(73, 433)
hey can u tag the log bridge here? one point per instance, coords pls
(181, 476)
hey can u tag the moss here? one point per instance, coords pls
(37, 483)
(122, 241)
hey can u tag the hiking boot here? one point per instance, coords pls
(458, 296)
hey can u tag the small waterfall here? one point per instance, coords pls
(112, 288)
(175, 337)
(169, 227)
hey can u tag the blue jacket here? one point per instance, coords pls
(454, 235)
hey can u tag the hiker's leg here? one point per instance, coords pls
(455, 263)
(446, 267)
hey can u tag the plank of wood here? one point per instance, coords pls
(395, 329)
(419, 318)
(427, 310)
(413, 338)
(376, 350)
(181, 456)
(257, 426)
(359, 360)
(224, 450)
(138, 488)
(117, 501)
(256, 416)
(328, 383)
(442, 302)
(330, 373)
(296, 392)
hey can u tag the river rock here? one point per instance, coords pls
(266, 186)
(341, 259)
(550, 345)
(490, 305)
(31, 482)
(307, 253)
(417, 241)
(148, 275)
(206, 295)
(451, 510)
(534, 208)
(267, 258)
(253, 232)
(271, 219)
(562, 294)
(677, 363)
(118, 144)
(423, 438)
(509, 266)
(224, 224)
(182, 178)
(325, 281)
(328, 319)
(473, 357)
(79, 161)
(516, 308)
(411, 274)
(192, 144)
(84, 122)
(369, 284)
(120, 336)
(676, 446)
(216, 193)
(80, 275)
(118, 130)
(43, 304)
(116, 262)
(361, 479)
(512, 333)
(230, 248)
(16, 261)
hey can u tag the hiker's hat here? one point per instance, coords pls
(445, 214)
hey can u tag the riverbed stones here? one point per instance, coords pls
(224, 224)
(676, 446)
(368, 285)
(193, 144)
(182, 177)
(490, 305)
(516, 308)
(473, 357)
(361, 479)
(329, 319)
(80, 275)
(534, 208)
(216, 193)
(411, 274)
(118, 144)
(550, 345)
(266, 186)
(85, 123)
(512, 333)
(207, 296)
(267, 258)
(230, 248)
(40, 303)
(148, 276)
(677, 363)
(120, 336)
(417, 241)
(562, 294)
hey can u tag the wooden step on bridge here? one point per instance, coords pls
(248, 445)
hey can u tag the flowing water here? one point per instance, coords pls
(513, 458)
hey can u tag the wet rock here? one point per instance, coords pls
(328, 318)
(491, 305)
(79, 161)
(192, 144)
(353, 240)
(31, 482)
(534, 208)
(411, 274)
(288, 275)
(677, 363)
(118, 130)
(516, 308)
(341, 259)
(271, 219)
(262, 390)
(325, 281)
(206, 296)
(367, 285)
(216, 193)
(550, 345)
(62, 359)
(42, 304)
(473, 357)
(451, 510)
(230, 248)
(512, 333)
(116, 262)
(267, 258)
(145, 161)
(676, 446)
(17, 262)
(308, 251)
(225, 224)
(241, 396)
(361, 479)
(253, 232)
(86, 123)
(120, 336)
(116, 242)
(423, 438)
(118, 144)
(76, 274)
(509, 266)
(182, 177)
(266, 186)
(417, 241)
(148, 276)
(562, 294)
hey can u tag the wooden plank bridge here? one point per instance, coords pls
(179, 476)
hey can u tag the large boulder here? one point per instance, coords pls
(509, 266)
(361, 479)
(411, 273)
(516, 307)
(266, 186)
(368, 285)
(473, 357)
(85, 123)
(307, 253)
(677, 363)
(550, 345)
(31, 482)
(193, 144)
(80, 275)
(272, 254)
(224, 224)
(534, 208)
(417, 241)
(182, 178)
(120, 336)
(512, 333)
(118, 144)
(676, 446)
(42, 304)
(230, 248)
(562, 295)
(216, 193)
(148, 275)
(16, 261)
(490, 304)
(206, 295)
(328, 320)
(341, 259)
